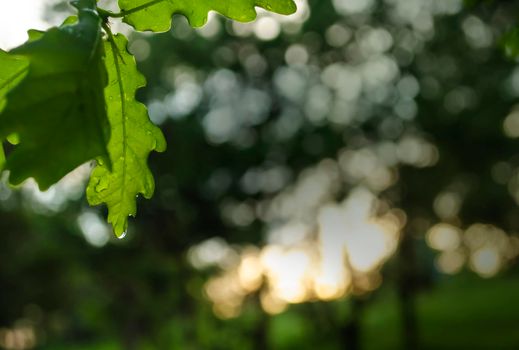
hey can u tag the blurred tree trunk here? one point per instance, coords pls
(260, 335)
(407, 285)
(131, 335)
(351, 330)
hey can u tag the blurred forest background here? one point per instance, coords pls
(343, 178)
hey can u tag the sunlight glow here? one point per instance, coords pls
(450, 262)
(69, 188)
(444, 237)
(16, 18)
(486, 261)
(94, 228)
(511, 124)
(21, 337)
(349, 244)
(250, 271)
(486, 249)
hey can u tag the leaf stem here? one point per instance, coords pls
(124, 13)
(111, 39)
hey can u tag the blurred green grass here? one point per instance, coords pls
(464, 312)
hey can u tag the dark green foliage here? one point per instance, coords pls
(510, 43)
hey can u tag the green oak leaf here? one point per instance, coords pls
(155, 15)
(58, 110)
(12, 70)
(133, 138)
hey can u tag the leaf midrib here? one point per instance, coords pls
(115, 52)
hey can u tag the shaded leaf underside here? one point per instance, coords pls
(12, 71)
(58, 109)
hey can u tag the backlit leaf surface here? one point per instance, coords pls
(133, 138)
(156, 14)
